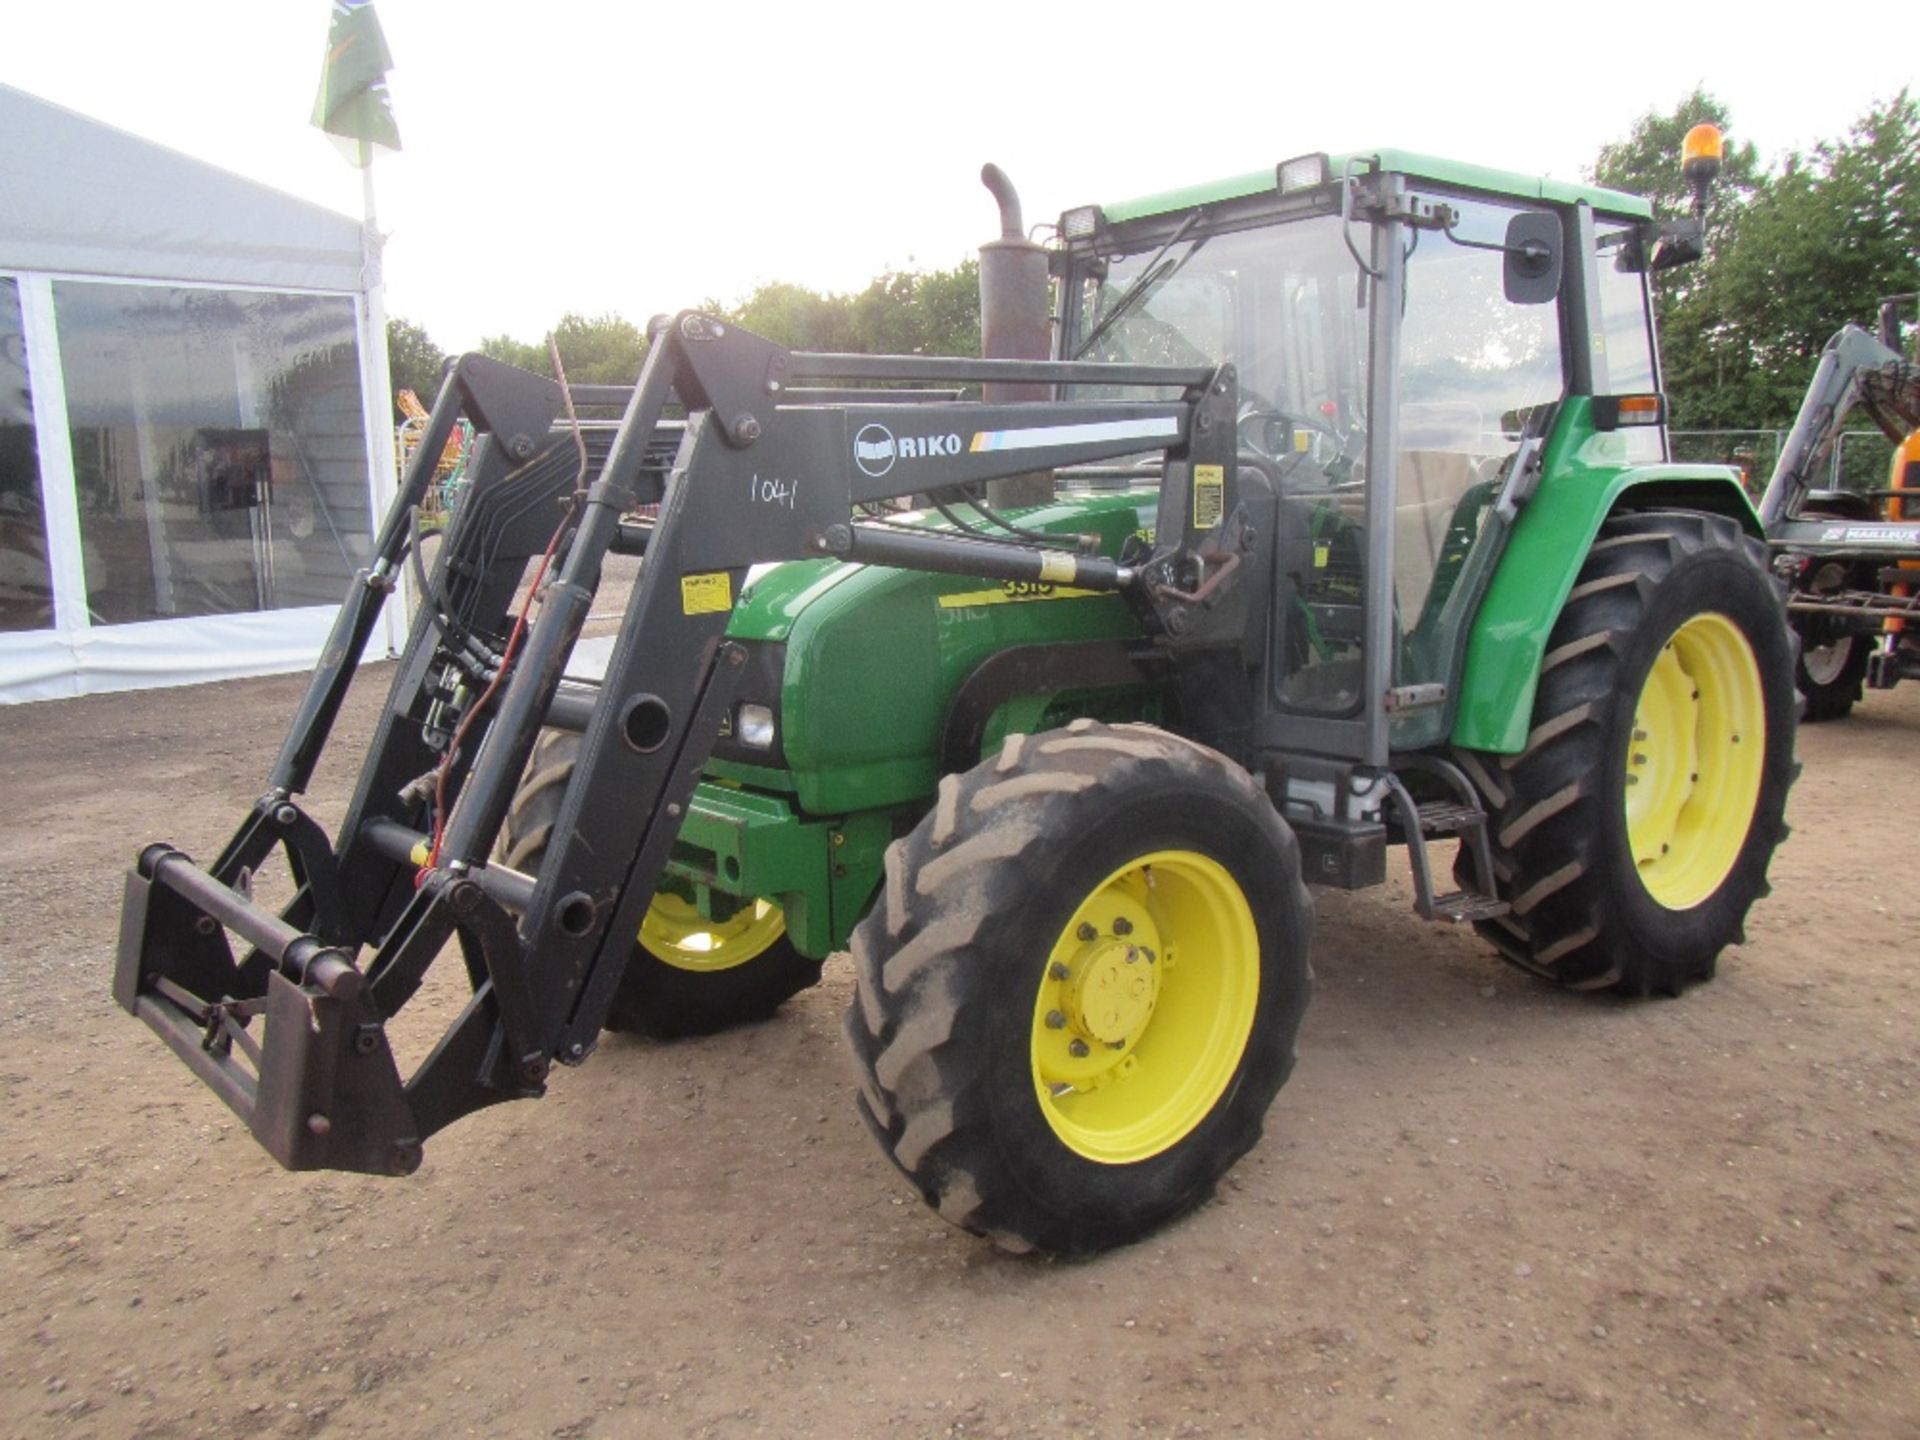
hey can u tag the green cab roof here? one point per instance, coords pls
(1403, 162)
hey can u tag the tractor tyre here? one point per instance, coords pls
(1079, 989)
(1832, 676)
(687, 975)
(1632, 833)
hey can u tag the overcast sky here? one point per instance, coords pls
(641, 157)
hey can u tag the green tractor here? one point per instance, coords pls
(1315, 511)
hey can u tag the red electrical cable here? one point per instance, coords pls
(519, 627)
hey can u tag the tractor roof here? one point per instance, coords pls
(1420, 167)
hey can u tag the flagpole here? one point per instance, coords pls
(378, 384)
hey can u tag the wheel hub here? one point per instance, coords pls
(1114, 979)
(1145, 1007)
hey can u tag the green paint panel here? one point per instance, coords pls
(1427, 168)
(1583, 478)
(911, 638)
(820, 872)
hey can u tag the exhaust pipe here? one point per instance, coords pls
(1015, 324)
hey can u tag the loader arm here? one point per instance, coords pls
(1856, 371)
(769, 465)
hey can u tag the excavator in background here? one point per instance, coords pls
(1851, 558)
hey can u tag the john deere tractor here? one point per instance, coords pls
(1291, 517)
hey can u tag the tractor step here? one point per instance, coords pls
(1413, 823)
(1446, 817)
(1463, 907)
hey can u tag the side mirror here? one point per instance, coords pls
(1534, 258)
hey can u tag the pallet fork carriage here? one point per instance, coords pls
(1311, 585)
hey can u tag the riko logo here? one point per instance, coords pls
(875, 448)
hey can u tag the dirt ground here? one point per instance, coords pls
(1481, 1207)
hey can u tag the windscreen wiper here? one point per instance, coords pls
(1149, 277)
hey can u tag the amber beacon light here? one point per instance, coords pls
(1700, 161)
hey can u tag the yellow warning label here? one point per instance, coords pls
(706, 594)
(1012, 592)
(1209, 495)
(1061, 569)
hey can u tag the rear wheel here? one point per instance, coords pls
(690, 974)
(1080, 989)
(1633, 832)
(1831, 674)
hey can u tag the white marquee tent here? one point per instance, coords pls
(194, 431)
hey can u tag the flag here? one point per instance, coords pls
(353, 101)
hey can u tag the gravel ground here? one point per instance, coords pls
(1482, 1206)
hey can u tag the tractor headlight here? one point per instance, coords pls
(753, 726)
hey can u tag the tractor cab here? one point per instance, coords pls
(1405, 333)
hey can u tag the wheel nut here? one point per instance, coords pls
(1056, 1021)
(1057, 971)
(1086, 931)
(1122, 926)
(1078, 1049)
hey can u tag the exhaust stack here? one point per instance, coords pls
(1015, 323)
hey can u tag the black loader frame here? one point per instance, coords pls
(771, 463)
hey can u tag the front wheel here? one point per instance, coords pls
(1633, 832)
(690, 974)
(1079, 991)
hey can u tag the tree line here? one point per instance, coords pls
(902, 312)
(1793, 251)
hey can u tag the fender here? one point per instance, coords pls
(1583, 483)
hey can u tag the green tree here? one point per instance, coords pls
(901, 312)
(1819, 246)
(1790, 257)
(414, 362)
(906, 312)
(793, 316)
(604, 350)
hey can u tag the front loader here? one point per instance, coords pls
(1362, 534)
(1851, 557)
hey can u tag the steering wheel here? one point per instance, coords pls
(1269, 433)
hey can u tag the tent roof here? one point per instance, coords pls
(81, 197)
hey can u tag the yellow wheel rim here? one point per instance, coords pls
(675, 932)
(1145, 1007)
(1693, 768)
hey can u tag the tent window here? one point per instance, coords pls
(218, 450)
(26, 579)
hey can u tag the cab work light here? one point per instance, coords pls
(1303, 172)
(1615, 412)
(1080, 224)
